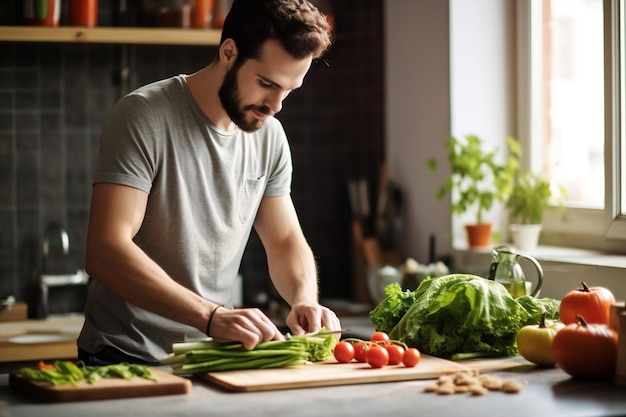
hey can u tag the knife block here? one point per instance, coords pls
(367, 253)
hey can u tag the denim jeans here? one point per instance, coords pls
(107, 356)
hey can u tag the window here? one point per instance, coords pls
(571, 114)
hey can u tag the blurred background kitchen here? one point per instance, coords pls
(400, 78)
(55, 96)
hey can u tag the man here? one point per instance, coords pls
(187, 167)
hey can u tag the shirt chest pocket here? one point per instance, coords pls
(251, 194)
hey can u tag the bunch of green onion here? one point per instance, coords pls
(211, 355)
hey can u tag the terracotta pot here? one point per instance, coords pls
(478, 235)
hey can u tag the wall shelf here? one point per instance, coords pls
(110, 35)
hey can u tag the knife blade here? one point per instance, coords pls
(324, 333)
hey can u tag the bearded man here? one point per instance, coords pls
(186, 167)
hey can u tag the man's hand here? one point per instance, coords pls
(308, 318)
(249, 326)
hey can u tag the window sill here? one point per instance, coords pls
(564, 268)
(560, 254)
(578, 256)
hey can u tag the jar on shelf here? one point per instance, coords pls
(202, 14)
(169, 13)
(84, 13)
(42, 12)
(220, 10)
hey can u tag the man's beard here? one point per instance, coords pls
(229, 96)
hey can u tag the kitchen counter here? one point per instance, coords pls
(23, 341)
(546, 392)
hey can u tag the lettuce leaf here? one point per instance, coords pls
(461, 314)
(537, 306)
(392, 308)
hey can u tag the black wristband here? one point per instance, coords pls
(208, 324)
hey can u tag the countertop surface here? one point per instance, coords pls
(546, 392)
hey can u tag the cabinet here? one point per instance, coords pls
(111, 35)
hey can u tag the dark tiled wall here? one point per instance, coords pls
(54, 97)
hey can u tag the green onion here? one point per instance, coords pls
(211, 355)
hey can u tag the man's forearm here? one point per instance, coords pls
(130, 273)
(294, 273)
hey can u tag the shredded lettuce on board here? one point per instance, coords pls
(461, 314)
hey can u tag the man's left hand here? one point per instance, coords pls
(311, 317)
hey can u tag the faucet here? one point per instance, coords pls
(61, 234)
(53, 231)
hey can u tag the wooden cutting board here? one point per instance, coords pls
(332, 373)
(166, 384)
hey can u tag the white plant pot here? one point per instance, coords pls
(525, 236)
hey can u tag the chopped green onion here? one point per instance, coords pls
(66, 372)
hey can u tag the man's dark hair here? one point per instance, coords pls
(298, 25)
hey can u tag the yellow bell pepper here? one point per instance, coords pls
(535, 341)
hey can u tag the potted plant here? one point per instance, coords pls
(530, 196)
(477, 180)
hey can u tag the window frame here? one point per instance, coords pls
(615, 123)
(584, 228)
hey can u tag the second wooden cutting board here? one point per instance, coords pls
(105, 389)
(333, 373)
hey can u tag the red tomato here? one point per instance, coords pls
(377, 356)
(360, 351)
(395, 353)
(344, 352)
(380, 337)
(411, 357)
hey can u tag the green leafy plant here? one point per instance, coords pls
(477, 180)
(530, 196)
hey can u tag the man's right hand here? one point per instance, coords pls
(249, 326)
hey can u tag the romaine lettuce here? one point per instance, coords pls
(461, 314)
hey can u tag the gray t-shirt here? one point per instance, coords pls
(205, 186)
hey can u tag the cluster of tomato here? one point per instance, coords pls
(378, 352)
